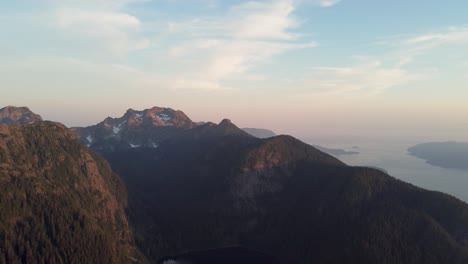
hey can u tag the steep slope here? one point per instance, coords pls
(147, 128)
(18, 115)
(60, 203)
(216, 186)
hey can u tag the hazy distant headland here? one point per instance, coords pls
(336, 152)
(259, 132)
(266, 133)
(449, 155)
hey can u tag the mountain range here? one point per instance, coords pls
(194, 187)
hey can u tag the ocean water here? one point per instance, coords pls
(392, 156)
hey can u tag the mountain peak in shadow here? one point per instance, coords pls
(211, 130)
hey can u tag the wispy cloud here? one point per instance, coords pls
(374, 74)
(102, 21)
(259, 20)
(328, 3)
(95, 4)
(246, 36)
(451, 35)
(72, 72)
(419, 45)
(365, 76)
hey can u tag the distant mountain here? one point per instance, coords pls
(215, 186)
(147, 128)
(212, 130)
(259, 132)
(336, 152)
(18, 115)
(450, 155)
(265, 133)
(60, 203)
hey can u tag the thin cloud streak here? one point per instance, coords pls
(248, 35)
(365, 77)
(328, 3)
(375, 74)
(103, 22)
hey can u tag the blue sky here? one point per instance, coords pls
(310, 67)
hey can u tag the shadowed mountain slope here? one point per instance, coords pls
(216, 186)
(60, 203)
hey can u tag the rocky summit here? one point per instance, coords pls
(135, 129)
(18, 115)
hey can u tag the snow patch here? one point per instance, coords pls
(154, 145)
(139, 115)
(134, 146)
(116, 130)
(90, 141)
(164, 117)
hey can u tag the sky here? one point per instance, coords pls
(310, 68)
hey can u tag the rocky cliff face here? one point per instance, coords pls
(60, 202)
(18, 115)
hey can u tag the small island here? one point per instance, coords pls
(448, 155)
